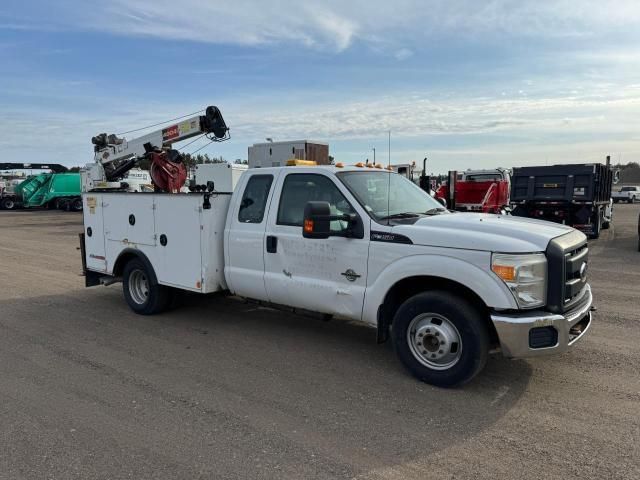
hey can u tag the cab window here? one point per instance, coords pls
(254, 199)
(300, 188)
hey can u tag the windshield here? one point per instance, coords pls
(371, 189)
(628, 189)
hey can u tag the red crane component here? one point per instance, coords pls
(167, 171)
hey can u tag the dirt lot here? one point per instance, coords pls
(222, 389)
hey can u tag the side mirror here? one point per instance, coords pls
(442, 201)
(316, 220)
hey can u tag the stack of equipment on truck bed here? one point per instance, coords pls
(578, 195)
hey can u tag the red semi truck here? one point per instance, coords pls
(485, 191)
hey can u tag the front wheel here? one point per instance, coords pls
(632, 199)
(440, 338)
(76, 205)
(8, 204)
(143, 295)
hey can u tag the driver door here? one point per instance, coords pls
(323, 275)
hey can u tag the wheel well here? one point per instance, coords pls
(128, 255)
(408, 287)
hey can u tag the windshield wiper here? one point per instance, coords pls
(401, 215)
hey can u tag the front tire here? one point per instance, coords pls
(142, 293)
(8, 204)
(440, 338)
(76, 205)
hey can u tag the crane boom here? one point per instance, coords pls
(114, 156)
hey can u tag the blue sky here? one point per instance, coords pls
(469, 84)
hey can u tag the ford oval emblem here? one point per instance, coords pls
(583, 271)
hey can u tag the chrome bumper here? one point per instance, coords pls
(514, 330)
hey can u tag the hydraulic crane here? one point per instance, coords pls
(114, 156)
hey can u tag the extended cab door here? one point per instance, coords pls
(323, 275)
(244, 252)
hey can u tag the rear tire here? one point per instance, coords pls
(597, 225)
(440, 338)
(142, 293)
(76, 205)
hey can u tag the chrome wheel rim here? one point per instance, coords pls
(139, 287)
(434, 341)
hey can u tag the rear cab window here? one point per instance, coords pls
(254, 199)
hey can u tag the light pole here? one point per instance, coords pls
(374, 155)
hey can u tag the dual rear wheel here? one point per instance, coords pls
(143, 293)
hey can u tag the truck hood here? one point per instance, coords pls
(478, 231)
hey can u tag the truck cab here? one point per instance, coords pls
(356, 243)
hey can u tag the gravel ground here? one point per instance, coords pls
(224, 389)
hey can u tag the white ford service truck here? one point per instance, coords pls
(356, 243)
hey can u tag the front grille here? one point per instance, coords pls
(567, 258)
(575, 277)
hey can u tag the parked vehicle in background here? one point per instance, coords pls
(626, 194)
(51, 190)
(578, 195)
(484, 191)
(138, 180)
(54, 188)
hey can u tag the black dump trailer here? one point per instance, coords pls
(578, 195)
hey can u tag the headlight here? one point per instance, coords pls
(525, 275)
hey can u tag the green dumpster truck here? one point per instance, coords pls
(56, 189)
(51, 190)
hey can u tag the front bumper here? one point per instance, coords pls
(518, 333)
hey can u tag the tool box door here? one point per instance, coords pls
(94, 232)
(129, 218)
(179, 255)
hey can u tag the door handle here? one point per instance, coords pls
(272, 244)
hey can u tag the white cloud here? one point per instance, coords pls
(336, 24)
(489, 128)
(403, 54)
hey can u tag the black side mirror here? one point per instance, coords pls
(317, 217)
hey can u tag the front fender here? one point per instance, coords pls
(493, 292)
